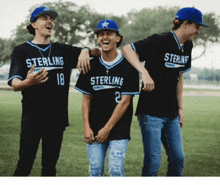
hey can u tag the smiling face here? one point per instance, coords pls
(43, 26)
(190, 31)
(107, 39)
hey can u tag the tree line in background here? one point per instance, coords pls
(75, 25)
(201, 76)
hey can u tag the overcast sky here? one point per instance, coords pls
(14, 12)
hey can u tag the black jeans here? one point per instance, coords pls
(29, 142)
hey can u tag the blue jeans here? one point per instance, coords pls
(154, 130)
(117, 152)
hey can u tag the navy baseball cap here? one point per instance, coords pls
(107, 24)
(42, 10)
(191, 14)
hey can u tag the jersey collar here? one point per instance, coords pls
(36, 46)
(119, 59)
(177, 41)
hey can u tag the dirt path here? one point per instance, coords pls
(201, 93)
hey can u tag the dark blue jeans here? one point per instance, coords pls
(29, 142)
(154, 130)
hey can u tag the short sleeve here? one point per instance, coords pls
(188, 47)
(83, 84)
(187, 67)
(18, 68)
(72, 53)
(144, 48)
(131, 82)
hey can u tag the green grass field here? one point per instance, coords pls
(201, 135)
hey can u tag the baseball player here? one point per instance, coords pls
(160, 111)
(108, 89)
(41, 70)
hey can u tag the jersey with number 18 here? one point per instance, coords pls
(45, 105)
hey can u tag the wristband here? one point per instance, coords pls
(88, 49)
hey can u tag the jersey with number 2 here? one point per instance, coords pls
(106, 84)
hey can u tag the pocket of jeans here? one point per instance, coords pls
(154, 121)
(151, 118)
(144, 119)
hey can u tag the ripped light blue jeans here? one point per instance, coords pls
(97, 153)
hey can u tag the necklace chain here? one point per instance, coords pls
(48, 53)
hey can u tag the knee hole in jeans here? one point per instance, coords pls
(116, 166)
(95, 167)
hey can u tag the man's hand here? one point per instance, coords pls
(89, 135)
(83, 61)
(31, 79)
(36, 78)
(148, 82)
(102, 135)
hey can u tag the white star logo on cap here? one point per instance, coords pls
(105, 24)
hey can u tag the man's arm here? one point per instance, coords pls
(31, 79)
(180, 98)
(133, 59)
(88, 133)
(117, 114)
(84, 59)
(95, 52)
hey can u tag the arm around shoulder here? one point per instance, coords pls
(133, 59)
(95, 52)
(84, 58)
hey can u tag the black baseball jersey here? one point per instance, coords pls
(106, 84)
(165, 59)
(45, 105)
